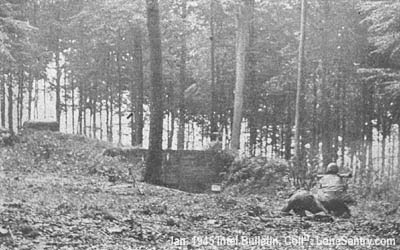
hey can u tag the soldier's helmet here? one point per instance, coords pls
(332, 168)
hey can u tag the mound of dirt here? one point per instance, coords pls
(72, 154)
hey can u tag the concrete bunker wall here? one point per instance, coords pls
(188, 170)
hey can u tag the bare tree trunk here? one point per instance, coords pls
(111, 127)
(154, 158)
(10, 103)
(315, 140)
(85, 116)
(369, 135)
(44, 98)
(58, 86)
(90, 106)
(101, 118)
(383, 155)
(182, 83)
(170, 113)
(274, 141)
(398, 147)
(36, 101)
(252, 89)
(109, 100)
(20, 98)
(66, 101)
(3, 100)
(343, 122)
(132, 95)
(392, 158)
(138, 62)
(214, 101)
(119, 97)
(171, 131)
(327, 129)
(107, 117)
(300, 83)
(73, 104)
(30, 89)
(80, 108)
(242, 43)
(94, 108)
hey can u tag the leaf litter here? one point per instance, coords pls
(56, 194)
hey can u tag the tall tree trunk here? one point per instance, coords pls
(132, 95)
(398, 147)
(171, 114)
(18, 97)
(315, 140)
(10, 103)
(94, 108)
(393, 158)
(251, 84)
(73, 104)
(119, 96)
(171, 130)
(101, 118)
(383, 154)
(80, 108)
(242, 43)
(3, 100)
(58, 85)
(138, 64)
(182, 83)
(274, 141)
(214, 101)
(21, 99)
(90, 106)
(369, 136)
(154, 158)
(36, 101)
(30, 89)
(343, 122)
(300, 83)
(44, 99)
(66, 101)
(111, 127)
(328, 154)
(107, 118)
(109, 100)
(85, 115)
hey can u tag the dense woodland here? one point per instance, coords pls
(183, 61)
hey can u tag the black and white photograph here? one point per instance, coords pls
(199, 124)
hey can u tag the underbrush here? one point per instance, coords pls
(257, 175)
(43, 151)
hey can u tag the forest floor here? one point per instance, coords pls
(56, 193)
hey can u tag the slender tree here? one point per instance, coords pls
(3, 99)
(326, 125)
(251, 84)
(241, 46)
(10, 103)
(214, 101)
(182, 81)
(154, 158)
(300, 83)
(138, 64)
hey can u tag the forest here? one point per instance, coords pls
(99, 57)
(276, 84)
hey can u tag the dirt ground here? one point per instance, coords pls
(59, 192)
